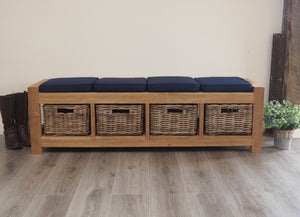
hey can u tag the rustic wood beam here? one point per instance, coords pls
(285, 67)
(276, 91)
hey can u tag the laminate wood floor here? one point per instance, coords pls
(183, 182)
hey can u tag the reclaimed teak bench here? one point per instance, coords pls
(39, 141)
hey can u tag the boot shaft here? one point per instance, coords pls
(22, 118)
(8, 111)
(21, 108)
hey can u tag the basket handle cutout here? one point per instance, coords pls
(225, 110)
(64, 110)
(174, 110)
(120, 111)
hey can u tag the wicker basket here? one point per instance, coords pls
(61, 120)
(285, 134)
(228, 119)
(119, 120)
(173, 120)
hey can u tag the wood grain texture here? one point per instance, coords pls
(54, 200)
(210, 204)
(197, 173)
(292, 30)
(94, 193)
(228, 172)
(192, 182)
(129, 206)
(276, 90)
(11, 164)
(34, 111)
(17, 197)
(93, 120)
(261, 171)
(167, 192)
(258, 112)
(201, 120)
(132, 174)
(145, 97)
(140, 141)
(147, 121)
(286, 56)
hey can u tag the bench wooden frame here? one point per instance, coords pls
(38, 141)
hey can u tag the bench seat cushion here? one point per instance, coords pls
(120, 85)
(75, 84)
(172, 84)
(224, 84)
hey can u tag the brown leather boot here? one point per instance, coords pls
(22, 118)
(7, 106)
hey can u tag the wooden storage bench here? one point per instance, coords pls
(200, 139)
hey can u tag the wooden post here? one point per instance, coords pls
(147, 121)
(257, 125)
(201, 120)
(277, 89)
(35, 118)
(93, 120)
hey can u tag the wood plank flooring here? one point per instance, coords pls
(160, 182)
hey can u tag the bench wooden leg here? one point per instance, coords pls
(35, 120)
(256, 148)
(258, 110)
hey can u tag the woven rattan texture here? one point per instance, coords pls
(176, 119)
(285, 134)
(119, 120)
(228, 119)
(60, 120)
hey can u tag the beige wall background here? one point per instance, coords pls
(59, 38)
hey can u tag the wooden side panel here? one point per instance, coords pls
(35, 118)
(257, 128)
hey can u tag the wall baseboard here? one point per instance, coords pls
(296, 134)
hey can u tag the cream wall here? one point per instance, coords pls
(43, 39)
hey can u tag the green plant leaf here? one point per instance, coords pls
(283, 116)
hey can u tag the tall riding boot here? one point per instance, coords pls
(7, 106)
(22, 118)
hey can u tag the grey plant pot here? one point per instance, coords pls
(283, 143)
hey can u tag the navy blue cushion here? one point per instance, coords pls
(172, 84)
(78, 84)
(224, 84)
(120, 85)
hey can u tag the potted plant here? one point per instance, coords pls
(283, 119)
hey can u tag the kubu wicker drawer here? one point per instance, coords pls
(119, 120)
(173, 120)
(228, 119)
(61, 120)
